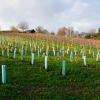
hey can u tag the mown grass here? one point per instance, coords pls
(33, 82)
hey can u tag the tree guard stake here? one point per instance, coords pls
(3, 74)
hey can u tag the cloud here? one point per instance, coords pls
(79, 7)
(82, 24)
(51, 14)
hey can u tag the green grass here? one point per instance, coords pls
(33, 82)
(27, 82)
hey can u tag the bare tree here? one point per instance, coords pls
(62, 31)
(71, 31)
(14, 29)
(52, 33)
(92, 31)
(40, 29)
(99, 30)
(23, 26)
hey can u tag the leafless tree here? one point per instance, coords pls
(23, 26)
(14, 29)
(52, 33)
(40, 29)
(62, 31)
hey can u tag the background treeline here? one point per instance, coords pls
(23, 27)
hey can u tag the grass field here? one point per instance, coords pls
(32, 82)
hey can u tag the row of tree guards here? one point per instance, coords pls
(4, 67)
(45, 63)
(72, 54)
(63, 72)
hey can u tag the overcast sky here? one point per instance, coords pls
(83, 15)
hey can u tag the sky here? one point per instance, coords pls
(83, 15)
